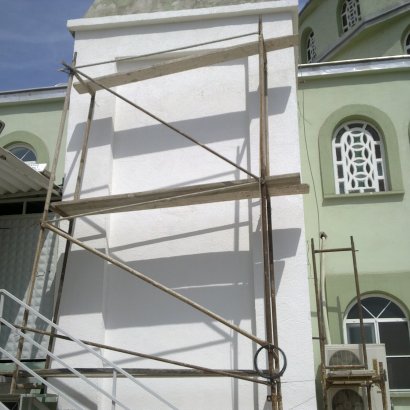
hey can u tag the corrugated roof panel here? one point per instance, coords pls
(16, 177)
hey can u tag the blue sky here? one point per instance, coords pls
(34, 40)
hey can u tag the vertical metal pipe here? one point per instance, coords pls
(42, 233)
(359, 302)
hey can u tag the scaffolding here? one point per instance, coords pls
(261, 186)
(361, 374)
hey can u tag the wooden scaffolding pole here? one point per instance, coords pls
(344, 374)
(266, 226)
(178, 65)
(71, 227)
(154, 283)
(160, 120)
(42, 234)
(263, 185)
(202, 369)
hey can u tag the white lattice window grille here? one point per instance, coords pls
(358, 159)
(350, 14)
(311, 51)
(407, 44)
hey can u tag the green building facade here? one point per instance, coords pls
(354, 106)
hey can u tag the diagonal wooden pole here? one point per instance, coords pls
(71, 227)
(42, 234)
(154, 283)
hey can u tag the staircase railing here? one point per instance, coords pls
(5, 295)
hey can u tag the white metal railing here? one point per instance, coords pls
(116, 369)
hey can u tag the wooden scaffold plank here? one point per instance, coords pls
(187, 63)
(288, 184)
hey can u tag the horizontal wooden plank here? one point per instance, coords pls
(186, 63)
(288, 184)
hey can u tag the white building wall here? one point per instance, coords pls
(210, 253)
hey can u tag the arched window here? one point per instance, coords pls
(407, 43)
(350, 14)
(358, 159)
(385, 322)
(23, 152)
(311, 51)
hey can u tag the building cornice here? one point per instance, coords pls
(163, 17)
(353, 67)
(33, 94)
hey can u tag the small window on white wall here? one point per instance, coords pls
(358, 159)
(384, 322)
(350, 14)
(311, 51)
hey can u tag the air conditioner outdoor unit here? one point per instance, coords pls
(355, 397)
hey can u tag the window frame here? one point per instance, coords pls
(375, 322)
(378, 163)
(392, 158)
(350, 23)
(311, 48)
(20, 145)
(406, 42)
(305, 36)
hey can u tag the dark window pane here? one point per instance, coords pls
(354, 313)
(398, 369)
(393, 311)
(340, 171)
(375, 305)
(11, 209)
(378, 151)
(34, 207)
(353, 333)
(395, 335)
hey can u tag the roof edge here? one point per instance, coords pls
(98, 23)
(372, 65)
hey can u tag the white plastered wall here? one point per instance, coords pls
(210, 253)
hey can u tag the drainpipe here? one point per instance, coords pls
(322, 290)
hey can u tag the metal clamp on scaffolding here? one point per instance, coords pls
(277, 352)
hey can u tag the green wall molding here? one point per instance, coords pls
(383, 124)
(30, 139)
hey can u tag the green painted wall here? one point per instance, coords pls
(379, 222)
(35, 123)
(381, 39)
(384, 39)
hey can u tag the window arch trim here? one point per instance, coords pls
(29, 139)
(384, 125)
(305, 38)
